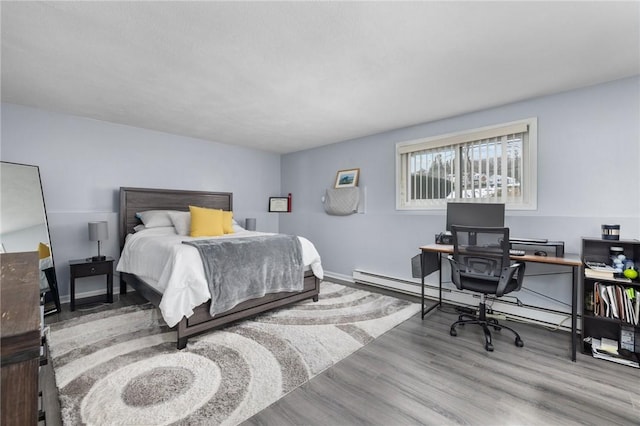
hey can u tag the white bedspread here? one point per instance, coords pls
(158, 256)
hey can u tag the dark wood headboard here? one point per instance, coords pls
(133, 200)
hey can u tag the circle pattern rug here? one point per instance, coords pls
(122, 366)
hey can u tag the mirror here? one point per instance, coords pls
(23, 224)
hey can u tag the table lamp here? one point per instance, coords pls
(98, 231)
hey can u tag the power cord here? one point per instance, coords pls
(545, 296)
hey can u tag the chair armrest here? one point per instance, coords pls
(520, 277)
(455, 271)
(507, 275)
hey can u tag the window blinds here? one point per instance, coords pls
(462, 138)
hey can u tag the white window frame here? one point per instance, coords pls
(529, 163)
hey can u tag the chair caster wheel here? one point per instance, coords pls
(519, 342)
(488, 347)
(496, 328)
(453, 332)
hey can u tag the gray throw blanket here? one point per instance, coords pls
(240, 269)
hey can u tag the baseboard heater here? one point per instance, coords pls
(531, 314)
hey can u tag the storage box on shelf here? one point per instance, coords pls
(611, 302)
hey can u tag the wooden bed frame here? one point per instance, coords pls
(134, 200)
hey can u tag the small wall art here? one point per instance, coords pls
(347, 178)
(278, 204)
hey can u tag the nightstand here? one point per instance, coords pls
(81, 268)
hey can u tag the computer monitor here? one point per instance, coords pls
(475, 214)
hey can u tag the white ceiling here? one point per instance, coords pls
(287, 76)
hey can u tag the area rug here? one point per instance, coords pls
(122, 366)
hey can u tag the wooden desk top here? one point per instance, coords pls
(569, 259)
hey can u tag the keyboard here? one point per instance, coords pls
(514, 252)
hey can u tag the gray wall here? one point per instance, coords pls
(84, 162)
(588, 142)
(588, 155)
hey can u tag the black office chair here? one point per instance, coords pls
(480, 263)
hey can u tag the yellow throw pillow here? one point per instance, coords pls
(227, 224)
(43, 251)
(206, 222)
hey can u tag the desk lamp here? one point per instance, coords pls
(98, 231)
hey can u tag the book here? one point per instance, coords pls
(605, 304)
(630, 315)
(592, 273)
(616, 301)
(613, 301)
(605, 275)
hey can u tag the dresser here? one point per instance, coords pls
(21, 330)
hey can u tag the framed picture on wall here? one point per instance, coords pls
(347, 178)
(278, 204)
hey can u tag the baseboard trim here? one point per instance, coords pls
(511, 310)
(338, 278)
(98, 292)
(530, 314)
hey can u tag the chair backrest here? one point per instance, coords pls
(481, 251)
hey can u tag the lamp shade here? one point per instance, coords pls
(250, 224)
(98, 231)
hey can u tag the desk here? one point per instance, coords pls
(570, 260)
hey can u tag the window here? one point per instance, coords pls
(491, 164)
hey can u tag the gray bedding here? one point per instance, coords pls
(240, 269)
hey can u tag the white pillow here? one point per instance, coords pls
(181, 221)
(155, 218)
(158, 230)
(138, 228)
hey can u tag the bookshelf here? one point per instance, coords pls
(610, 304)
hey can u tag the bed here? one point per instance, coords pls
(134, 200)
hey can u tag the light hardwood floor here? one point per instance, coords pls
(417, 374)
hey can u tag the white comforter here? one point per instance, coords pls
(158, 256)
